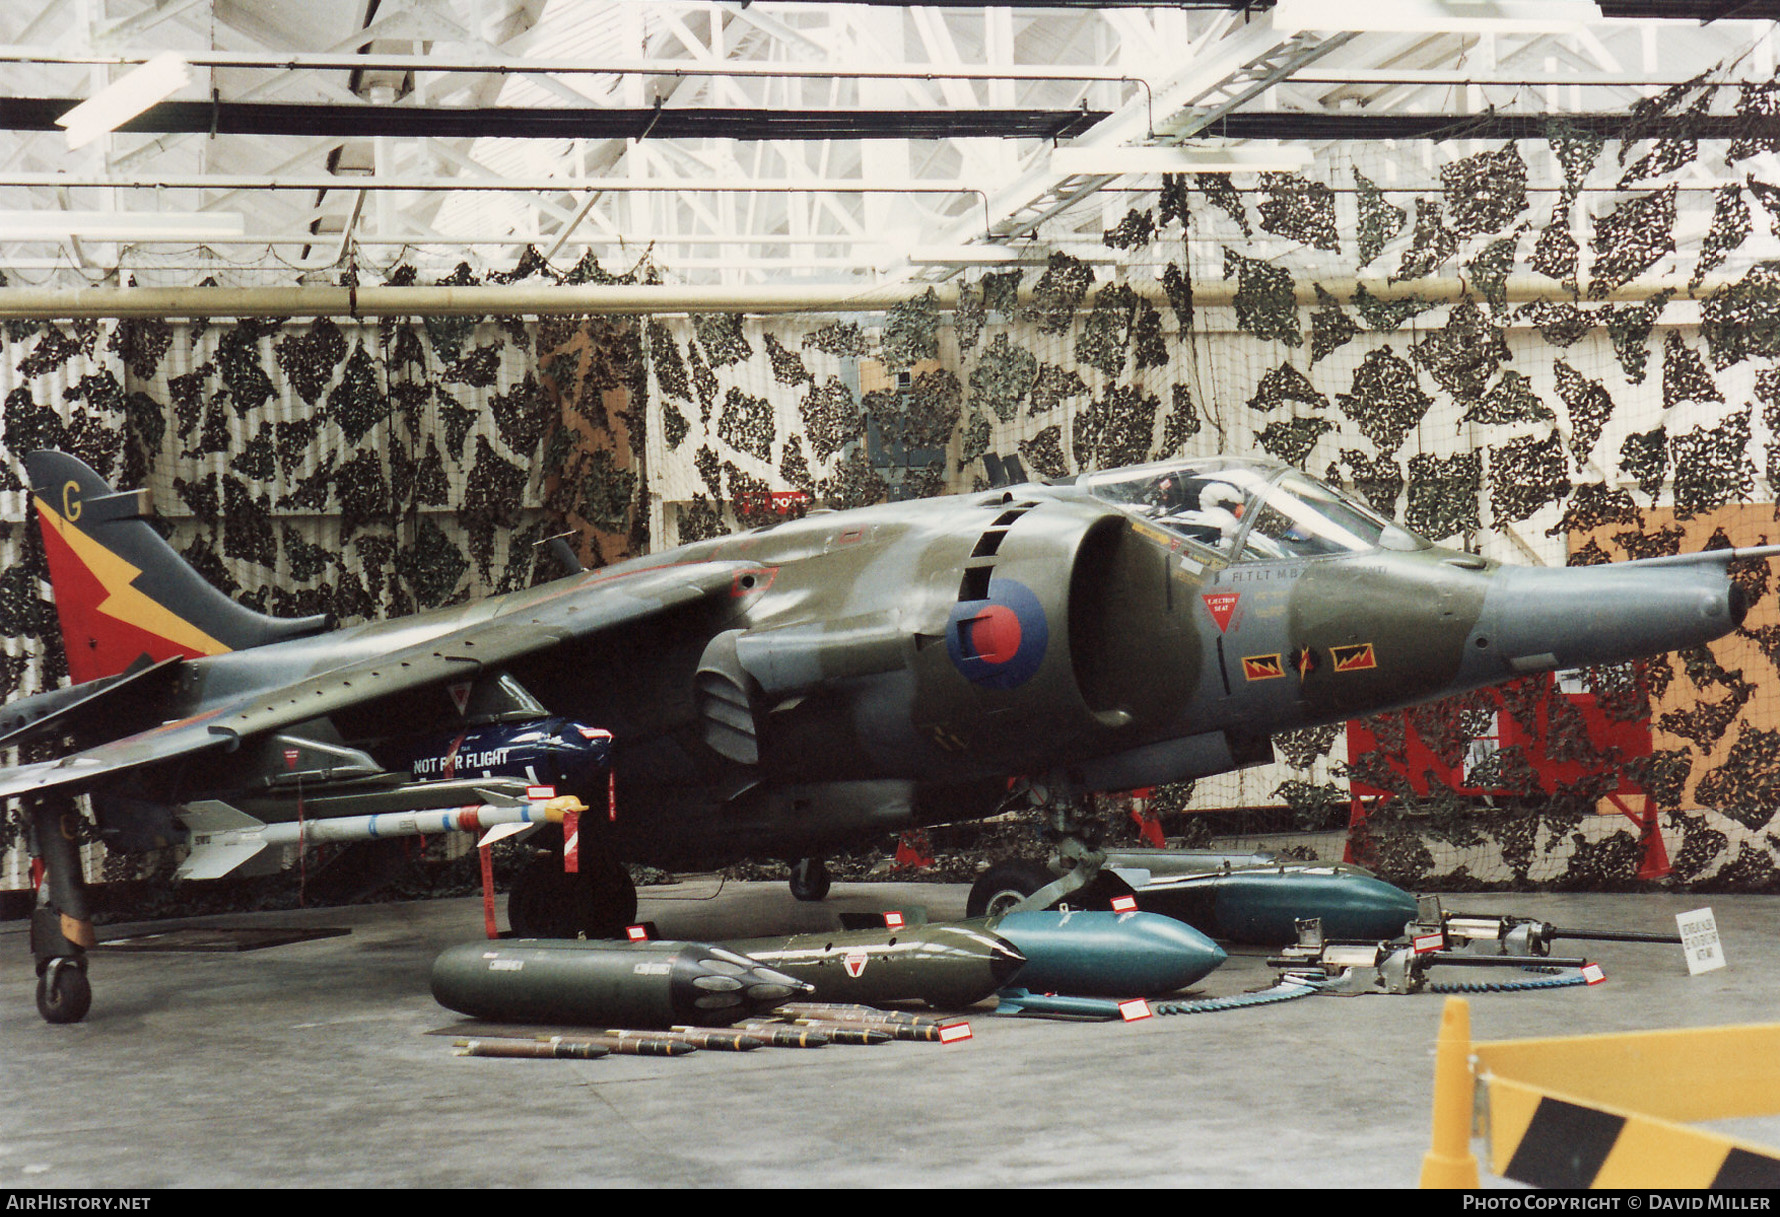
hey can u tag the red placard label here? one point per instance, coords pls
(1221, 605)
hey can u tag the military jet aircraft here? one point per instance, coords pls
(787, 689)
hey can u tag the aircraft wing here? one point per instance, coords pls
(586, 606)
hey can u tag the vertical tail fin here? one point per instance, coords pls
(121, 591)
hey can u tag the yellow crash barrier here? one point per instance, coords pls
(1607, 1111)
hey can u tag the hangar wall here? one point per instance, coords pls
(361, 469)
(1505, 358)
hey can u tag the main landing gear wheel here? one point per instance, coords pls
(1004, 885)
(546, 902)
(810, 879)
(63, 993)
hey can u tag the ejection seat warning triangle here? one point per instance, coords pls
(1221, 605)
(1699, 938)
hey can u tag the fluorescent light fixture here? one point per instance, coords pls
(123, 99)
(961, 255)
(1436, 16)
(120, 225)
(1250, 158)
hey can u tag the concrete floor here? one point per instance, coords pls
(309, 1065)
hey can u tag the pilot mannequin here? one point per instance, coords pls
(1220, 508)
(1215, 519)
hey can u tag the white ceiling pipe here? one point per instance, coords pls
(526, 299)
(346, 181)
(312, 61)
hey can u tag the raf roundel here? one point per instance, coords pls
(999, 642)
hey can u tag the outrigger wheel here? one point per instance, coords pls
(61, 922)
(810, 879)
(63, 993)
(597, 901)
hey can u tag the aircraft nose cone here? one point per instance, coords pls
(1535, 620)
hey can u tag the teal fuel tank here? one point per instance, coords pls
(1261, 905)
(1100, 954)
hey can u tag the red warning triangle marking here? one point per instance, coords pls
(460, 693)
(1221, 605)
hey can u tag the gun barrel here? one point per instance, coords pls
(1618, 936)
(1502, 961)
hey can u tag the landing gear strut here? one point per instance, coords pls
(1073, 874)
(61, 924)
(810, 879)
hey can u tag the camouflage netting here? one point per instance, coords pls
(1550, 350)
(360, 469)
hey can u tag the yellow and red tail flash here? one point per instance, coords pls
(107, 622)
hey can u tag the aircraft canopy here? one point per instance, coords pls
(1251, 511)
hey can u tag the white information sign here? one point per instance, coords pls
(1699, 938)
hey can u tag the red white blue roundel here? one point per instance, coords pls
(998, 642)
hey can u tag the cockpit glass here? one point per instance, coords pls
(1300, 518)
(1221, 502)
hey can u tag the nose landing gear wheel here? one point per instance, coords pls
(1008, 883)
(1004, 885)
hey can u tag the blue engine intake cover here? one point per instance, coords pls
(556, 752)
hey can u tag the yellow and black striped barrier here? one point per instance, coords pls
(1605, 1111)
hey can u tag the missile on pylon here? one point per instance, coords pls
(608, 984)
(224, 838)
(946, 966)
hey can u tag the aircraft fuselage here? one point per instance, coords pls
(897, 664)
